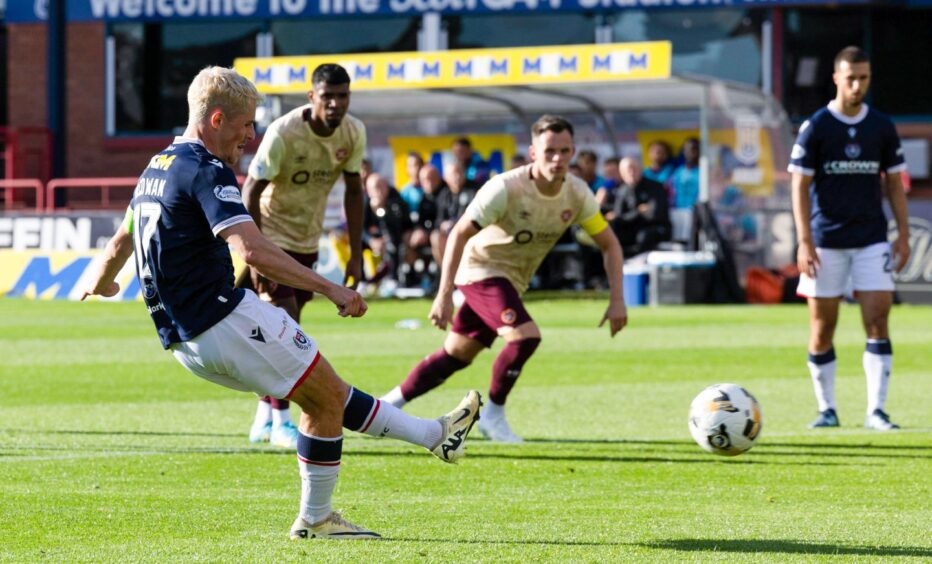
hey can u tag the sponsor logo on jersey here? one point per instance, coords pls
(228, 194)
(300, 177)
(851, 167)
(216, 163)
(524, 236)
(852, 132)
(798, 152)
(852, 150)
(509, 316)
(566, 215)
(162, 162)
(301, 341)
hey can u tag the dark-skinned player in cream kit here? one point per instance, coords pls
(491, 255)
(300, 159)
(842, 158)
(185, 215)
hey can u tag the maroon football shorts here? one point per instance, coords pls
(301, 296)
(490, 304)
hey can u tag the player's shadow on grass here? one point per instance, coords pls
(779, 546)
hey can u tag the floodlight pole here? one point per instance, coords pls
(56, 69)
(704, 145)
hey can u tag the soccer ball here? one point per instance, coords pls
(725, 419)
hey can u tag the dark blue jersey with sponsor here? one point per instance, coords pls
(183, 199)
(845, 156)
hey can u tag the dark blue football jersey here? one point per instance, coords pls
(183, 199)
(845, 156)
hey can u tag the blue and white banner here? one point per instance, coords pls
(31, 11)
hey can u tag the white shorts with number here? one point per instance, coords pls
(256, 348)
(865, 269)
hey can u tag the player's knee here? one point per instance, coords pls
(528, 330)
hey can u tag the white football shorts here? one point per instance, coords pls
(866, 269)
(256, 348)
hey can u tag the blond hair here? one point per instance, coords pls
(219, 87)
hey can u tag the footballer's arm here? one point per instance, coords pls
(441, 313)
(897, 196)
(613, 260)
(118, 251)
(806, 258)
(252, 194)
(270, 261)
(353, 207)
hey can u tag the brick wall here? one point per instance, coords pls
(26, 76)
(89, 151)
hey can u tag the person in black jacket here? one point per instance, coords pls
(641, 214)
(451, 203)
(387, 224)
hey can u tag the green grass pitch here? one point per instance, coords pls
(110, 451)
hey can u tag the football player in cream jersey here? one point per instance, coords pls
(491, 255)
(301, 157)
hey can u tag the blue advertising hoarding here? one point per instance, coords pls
(30, 11)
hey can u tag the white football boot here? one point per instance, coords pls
(456, 427)
(880, 421)
(496, 429)
(333, 527)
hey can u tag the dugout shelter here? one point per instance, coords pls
(623, 95)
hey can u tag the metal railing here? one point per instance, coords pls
(9, 186)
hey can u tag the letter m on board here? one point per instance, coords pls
(531, 65)
(602, 63)
(297, 74)
(39, 274)
(261, 76)
(396, 71)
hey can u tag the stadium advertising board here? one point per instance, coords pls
(468, 67)
(63, 275)
(495, 151)
(28, 11)
(57, 233)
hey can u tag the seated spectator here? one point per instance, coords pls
(451, 203)
(641, 216)
(684, 182)
(411, 192)
(518, 160)
(475, 169)
(386, 225)
(588, 162)
(660, 162)
(605, 195)
(423, 220)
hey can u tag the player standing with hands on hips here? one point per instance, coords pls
(185, 215)
(843, 155)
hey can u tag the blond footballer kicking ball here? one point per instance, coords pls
(725, 419)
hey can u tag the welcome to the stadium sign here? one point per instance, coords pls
(26, 11)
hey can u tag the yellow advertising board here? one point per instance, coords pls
(468, 67)
(495, 150)
(741, 157)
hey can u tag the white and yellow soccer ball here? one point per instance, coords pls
(725, 419)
